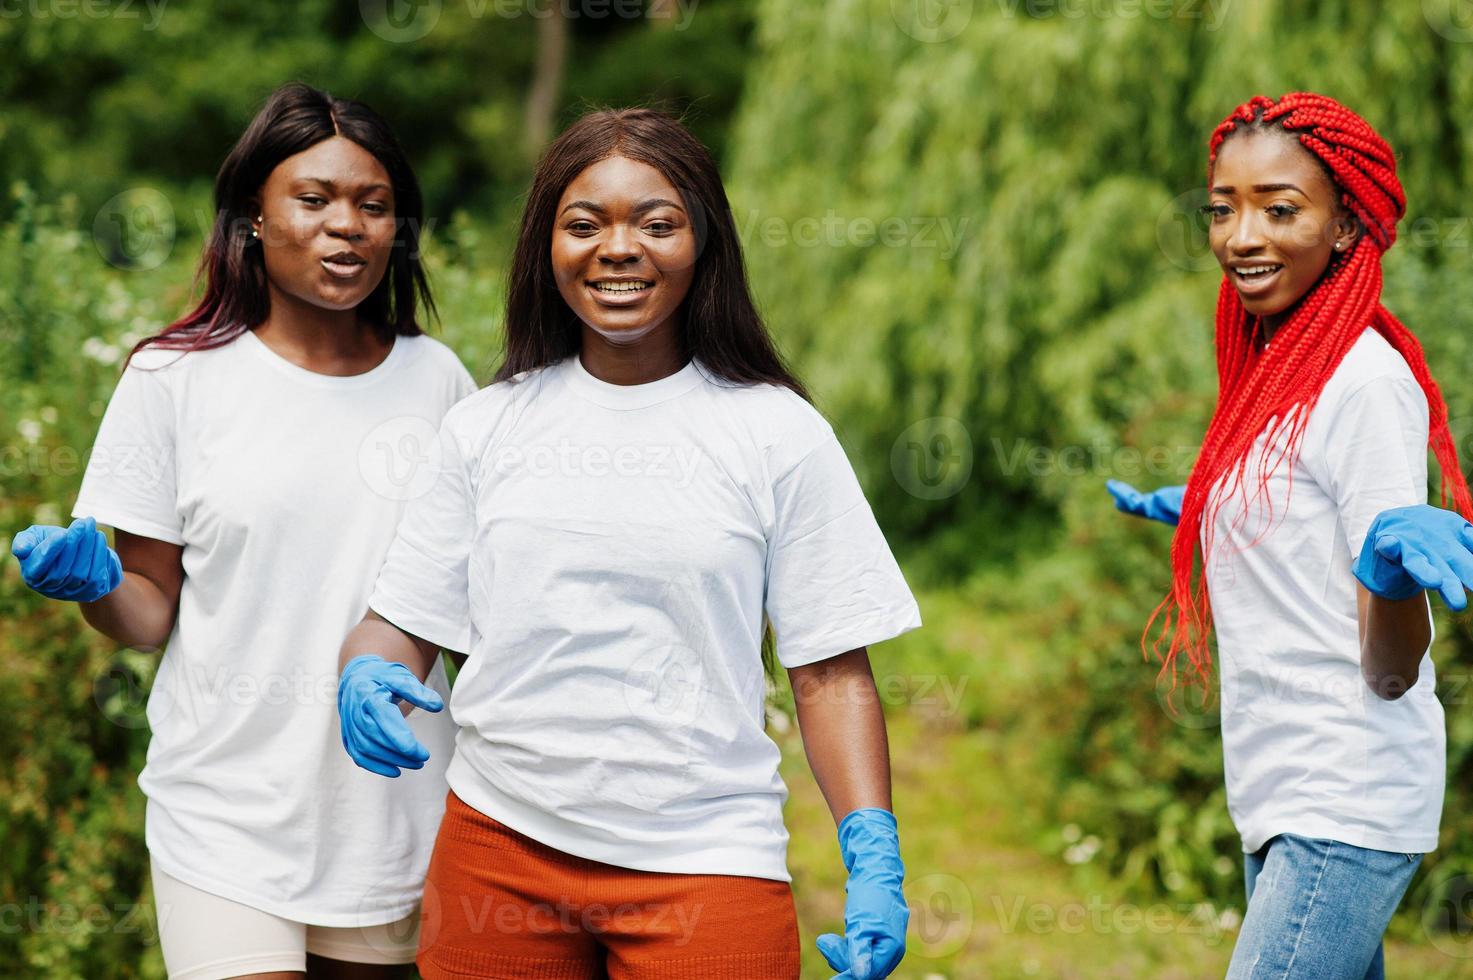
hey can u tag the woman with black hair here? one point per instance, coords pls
(614, 515)
(253, 462)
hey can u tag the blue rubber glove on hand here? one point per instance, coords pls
(1162, 505)
(71, 563)
(875, 913)
(374, 730)
(1409, 549)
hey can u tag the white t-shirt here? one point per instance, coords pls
(284, 486)
(605, 554)
(1308, 748)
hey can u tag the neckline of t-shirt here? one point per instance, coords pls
(610, 395)
(391, 361)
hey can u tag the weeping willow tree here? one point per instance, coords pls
(1045, 303)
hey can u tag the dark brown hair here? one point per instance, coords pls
(719, 322)
(295, 118)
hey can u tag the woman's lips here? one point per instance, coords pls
(1256, 284)
(344, 268)
(620, 297)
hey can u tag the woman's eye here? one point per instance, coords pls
(1215, 210)
(375, 208)
(312, 199)
(659, 227)
(1282, 210)
(581, 227)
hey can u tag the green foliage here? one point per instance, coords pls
(74, 859)
(91, 100)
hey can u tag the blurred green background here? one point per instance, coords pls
(969, 224)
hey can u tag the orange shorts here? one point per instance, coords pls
(499, 904)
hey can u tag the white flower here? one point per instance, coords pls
(29, 429)
(1084, 851)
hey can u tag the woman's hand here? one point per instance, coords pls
(73, 563)
(875, 913)
(1409, 549)
(843, 727)
(374, 731)
(1162, 505)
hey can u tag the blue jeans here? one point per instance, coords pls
(1318, 909)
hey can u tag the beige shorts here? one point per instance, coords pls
(206, 937)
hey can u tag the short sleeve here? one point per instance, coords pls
(465, 385)
(424, 585)
(1374, 453)
(130, 480)
(832, 583)
(462, 384)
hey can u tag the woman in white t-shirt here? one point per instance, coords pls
(1313, 477)
(253, 462)
(615, 514)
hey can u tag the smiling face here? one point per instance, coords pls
(623, 250)
(327, 225)
(1275, 220)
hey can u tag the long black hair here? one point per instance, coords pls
(720, 324)
(296, 117)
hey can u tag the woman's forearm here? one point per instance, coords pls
(137, 614)
(379, 636)
(1395, 634)
(843, 728)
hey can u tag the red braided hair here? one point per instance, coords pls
(1273, 389)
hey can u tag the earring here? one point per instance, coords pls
(1339, 245)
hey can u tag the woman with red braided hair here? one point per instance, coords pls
(1313, 477)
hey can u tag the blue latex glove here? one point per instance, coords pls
(71, 563)
(1162, 505)
(374, 730)
(1408, 549)
(875, 914)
